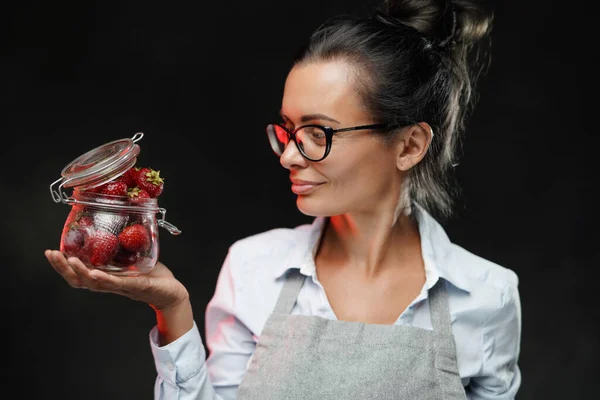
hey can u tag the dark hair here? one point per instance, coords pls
(416, 60)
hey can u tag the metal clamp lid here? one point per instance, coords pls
(98, 166)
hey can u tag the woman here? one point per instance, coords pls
(372, 300)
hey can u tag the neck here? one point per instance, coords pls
(370, 244)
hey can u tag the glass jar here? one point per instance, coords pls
(116, 234)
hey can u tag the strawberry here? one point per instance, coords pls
(95, 189)
(134, 238)
(149, 180)
(74, 215)
(114, 188)
(137, 195)
(72, 241)
(125, 257)
(110, 221)
(100, 247)
(85, 221)
(128, 177)
(74, 233)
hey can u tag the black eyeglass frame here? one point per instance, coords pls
(329, 132)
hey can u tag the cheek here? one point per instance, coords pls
(369, 171)
(353, 184)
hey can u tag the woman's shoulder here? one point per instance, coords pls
(272, 241)
(485, 311)
(479, 270)
(266, 252)
(255, 264)
(487, 288)
(465, 268)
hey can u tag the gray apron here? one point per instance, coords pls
(314, 358)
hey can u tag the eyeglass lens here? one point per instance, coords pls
(311, 140)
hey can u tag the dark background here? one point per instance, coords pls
(201, 81)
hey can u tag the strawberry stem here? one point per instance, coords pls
(154, 177)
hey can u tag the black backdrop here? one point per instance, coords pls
(201, 81)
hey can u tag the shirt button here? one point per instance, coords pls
(170, 366)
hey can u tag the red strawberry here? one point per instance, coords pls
(74, 215)
(75, 232)
(149, 180)
(72, 241)
(139, 174)
(134, 238)
(125, 257)
(86, 221)
(137, 195)
(114, 188)
(100, 247)
(129, 177)
(110, 221)
(94, 189)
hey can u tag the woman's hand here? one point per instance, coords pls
(158, 288)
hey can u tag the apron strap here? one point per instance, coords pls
(438, 305)
(288, 294)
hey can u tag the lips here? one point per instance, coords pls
(300, 186)
(303, 182)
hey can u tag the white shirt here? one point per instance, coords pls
(483, 298)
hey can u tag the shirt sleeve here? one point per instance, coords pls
(500, 378)
(184, 370)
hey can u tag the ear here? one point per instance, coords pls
(412, 145)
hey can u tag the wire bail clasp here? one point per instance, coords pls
(58, 195)
(173, 230)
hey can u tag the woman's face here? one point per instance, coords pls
(359, 175)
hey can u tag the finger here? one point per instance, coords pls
(106, 278)
(136, 287)
(83, 274)
(130, 286)
(58, 261)
(100, 281)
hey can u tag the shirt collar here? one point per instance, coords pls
(435, 248)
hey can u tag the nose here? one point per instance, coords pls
(291, 157)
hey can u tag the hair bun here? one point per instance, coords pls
(444, 36)
(442, 22)
(435, 20)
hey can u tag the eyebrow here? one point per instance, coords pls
(311, 117)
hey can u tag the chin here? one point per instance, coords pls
(313, 207)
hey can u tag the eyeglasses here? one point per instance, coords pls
(313, 141)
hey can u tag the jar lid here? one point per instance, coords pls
(102, 164)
